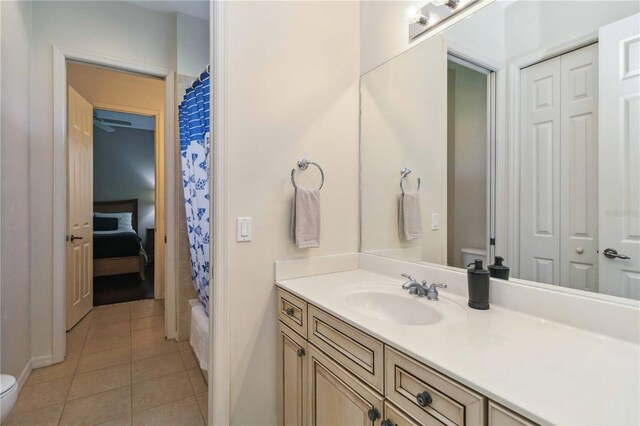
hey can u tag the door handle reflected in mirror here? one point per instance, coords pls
(73, 238)
(613, 254)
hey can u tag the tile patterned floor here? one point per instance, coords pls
(119, 370)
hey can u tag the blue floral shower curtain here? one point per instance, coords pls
(195, 142)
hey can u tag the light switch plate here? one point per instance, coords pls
(243, 229)
(435, 221)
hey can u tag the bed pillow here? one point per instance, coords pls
(124, 219)
(105, 223)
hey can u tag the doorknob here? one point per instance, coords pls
(73, 238)
(613, 254)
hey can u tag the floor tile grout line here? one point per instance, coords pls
(173, 402)
(164, 403)
(75, 370)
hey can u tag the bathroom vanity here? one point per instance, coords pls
(493, 136)
(355, 348)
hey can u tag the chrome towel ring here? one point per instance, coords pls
(403, 174)
(303, 164)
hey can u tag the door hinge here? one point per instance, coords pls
(492, 241)
(165, 239)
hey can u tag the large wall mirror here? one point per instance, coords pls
(513, 133)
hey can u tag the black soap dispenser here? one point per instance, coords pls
(478, 282)
(498, 270)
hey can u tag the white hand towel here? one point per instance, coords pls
(305, 223)
(409, 217)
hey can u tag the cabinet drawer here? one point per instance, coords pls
(394, 417)
(445, 400)
(292, 311)
(358, 352)
(501, 416)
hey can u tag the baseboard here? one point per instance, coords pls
(42, 361)
(26, 372)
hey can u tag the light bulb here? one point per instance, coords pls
(451, 4)
(419, 18)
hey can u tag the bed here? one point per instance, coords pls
(117, 248)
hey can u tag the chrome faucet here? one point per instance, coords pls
(422, 290)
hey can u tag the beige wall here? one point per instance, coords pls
(293, 92)
(114, 29)
(15, 37)
(403, 124)
(193, 45)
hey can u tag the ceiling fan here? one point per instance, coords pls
(104, 123)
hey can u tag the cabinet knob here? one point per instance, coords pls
(289, 311)
(301, 352)
(387, 422)
(424, 399)
(373, 414)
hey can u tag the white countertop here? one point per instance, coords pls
(548, 372)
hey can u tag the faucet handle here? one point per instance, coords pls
(409, 277)
(437, 285)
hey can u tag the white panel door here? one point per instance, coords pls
(620, 157)
(79, 208)
(540, 172)
(579, 169)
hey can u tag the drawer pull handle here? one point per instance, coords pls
(301, 352)
(424, 399)
(289, 311)
(387, 422)
(373, 414)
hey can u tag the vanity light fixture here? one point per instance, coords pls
(451, 4)
(436, 12)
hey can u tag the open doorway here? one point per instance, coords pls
(470, 113)
(123, 207)
(115, 198)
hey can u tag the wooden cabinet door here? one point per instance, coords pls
(336, 398)
(291, 376)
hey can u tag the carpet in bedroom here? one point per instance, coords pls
(123, 288)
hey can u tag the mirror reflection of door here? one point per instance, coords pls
(468, 139)
(619, 155)
(559, 170)
(579, 172)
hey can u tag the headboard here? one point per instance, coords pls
(119, 206)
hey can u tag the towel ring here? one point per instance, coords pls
(303, 164)
(403, 174)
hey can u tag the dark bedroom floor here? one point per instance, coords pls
(123, 288)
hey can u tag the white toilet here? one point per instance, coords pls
(471, 254)
(8, 395)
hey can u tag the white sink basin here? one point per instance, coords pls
(389, 307)
(391, 304)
